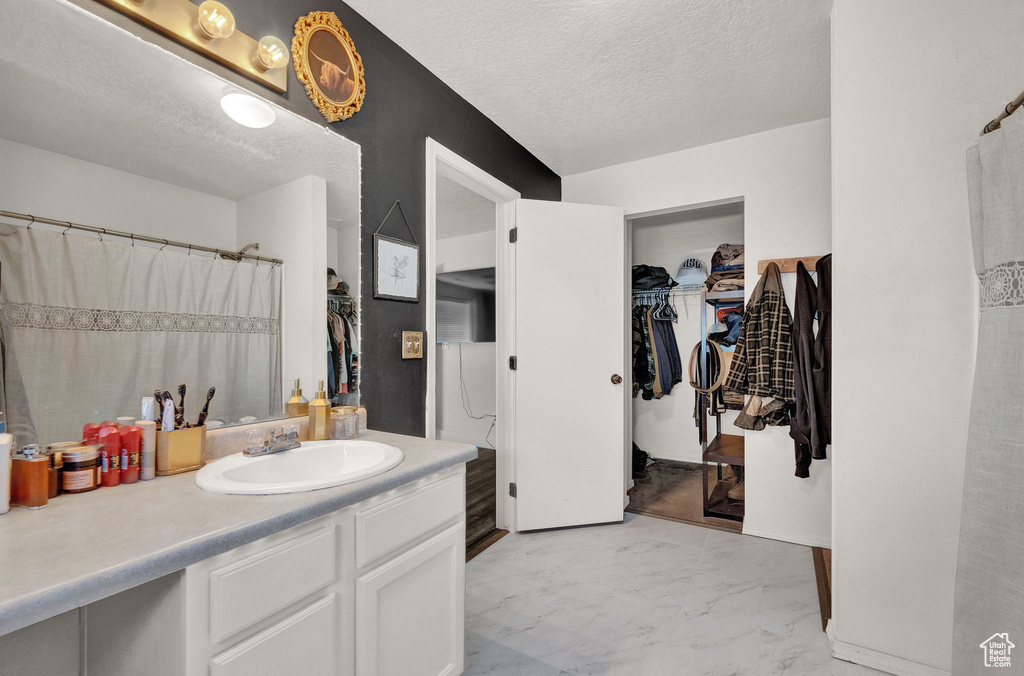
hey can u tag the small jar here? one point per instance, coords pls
(79, 473)
(344, 425)
(55, 453)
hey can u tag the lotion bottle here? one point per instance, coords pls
(6, 441)
(298, 405)
(319, 415)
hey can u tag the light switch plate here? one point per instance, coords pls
(412, 345)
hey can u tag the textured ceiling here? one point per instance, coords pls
(460, 211)
(589, 83)
(87, 89)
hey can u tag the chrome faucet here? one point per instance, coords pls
(274, 443)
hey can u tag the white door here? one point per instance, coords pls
(570, 346)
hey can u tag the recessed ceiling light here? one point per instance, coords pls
(247, 110)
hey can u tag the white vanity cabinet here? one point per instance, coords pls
(375, 589)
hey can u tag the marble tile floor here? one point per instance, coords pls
(648, 597)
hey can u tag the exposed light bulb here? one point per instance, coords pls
(247, 110)
(271, 52)
(215, 20)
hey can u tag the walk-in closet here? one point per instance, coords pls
(687, 300)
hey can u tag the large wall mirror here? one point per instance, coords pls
(100, 128)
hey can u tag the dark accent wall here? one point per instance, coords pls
(405, 104)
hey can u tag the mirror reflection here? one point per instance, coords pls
(205, 253)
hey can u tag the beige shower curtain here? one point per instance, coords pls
(99, 324)
(988, 618)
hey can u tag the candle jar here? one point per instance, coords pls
(79, 473)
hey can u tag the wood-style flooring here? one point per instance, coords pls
(673, 490)
(481, 503)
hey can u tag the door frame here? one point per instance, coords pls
(440, 161)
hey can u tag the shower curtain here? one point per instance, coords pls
(989, 602)
(97, 324)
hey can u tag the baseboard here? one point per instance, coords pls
(866, 657)
(795, 538)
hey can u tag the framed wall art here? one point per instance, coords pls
(396, 264)
(328, 65)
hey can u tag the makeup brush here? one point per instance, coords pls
(206, 407)
(179, 415)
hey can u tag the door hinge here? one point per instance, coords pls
(512, 363)
(513, 235)
(512, 490)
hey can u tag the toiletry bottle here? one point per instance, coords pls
(131, 454)
(361, 412)
(148, 458)
(91, 434)
(319, 415)
(110, 455)
(30, 478)
(6, 441)
(298, 405)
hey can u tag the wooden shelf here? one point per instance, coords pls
(721, 506)
(727, 449)
(724, 297)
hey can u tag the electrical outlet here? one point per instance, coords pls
(412, 345)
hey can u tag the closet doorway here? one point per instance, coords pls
(468, 282)
(682, 477)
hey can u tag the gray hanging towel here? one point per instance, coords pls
(989, 601)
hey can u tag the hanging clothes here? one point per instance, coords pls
(809, 425)
(762, 365)
(657, 365)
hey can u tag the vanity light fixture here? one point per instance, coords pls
(247, 110)
(215, 20)
(209, 29)
(271, 52)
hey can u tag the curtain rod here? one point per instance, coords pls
(1007, 111)
(142, 238)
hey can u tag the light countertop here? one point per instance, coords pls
(82, 548)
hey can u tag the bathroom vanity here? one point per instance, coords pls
(163, 578)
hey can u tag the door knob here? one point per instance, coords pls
(616, 379)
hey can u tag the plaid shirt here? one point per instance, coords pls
(763, 362)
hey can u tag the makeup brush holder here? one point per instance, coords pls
(180, 451)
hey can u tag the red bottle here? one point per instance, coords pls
(110, 455)
(91, 434)
(131, 453)
(109, 423)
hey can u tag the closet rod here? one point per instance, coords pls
(141, 238)
(1007, 111)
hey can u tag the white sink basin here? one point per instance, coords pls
(315, 465)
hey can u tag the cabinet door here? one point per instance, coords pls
(410, 611)
(305, 643)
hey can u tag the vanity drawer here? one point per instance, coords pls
(385, 528)
(303, 644)
(247, 591)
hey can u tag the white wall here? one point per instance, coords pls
(783, 177)
(665, 427)
(913, 84)
(42, 183)
(290, 223)
(469, 252)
